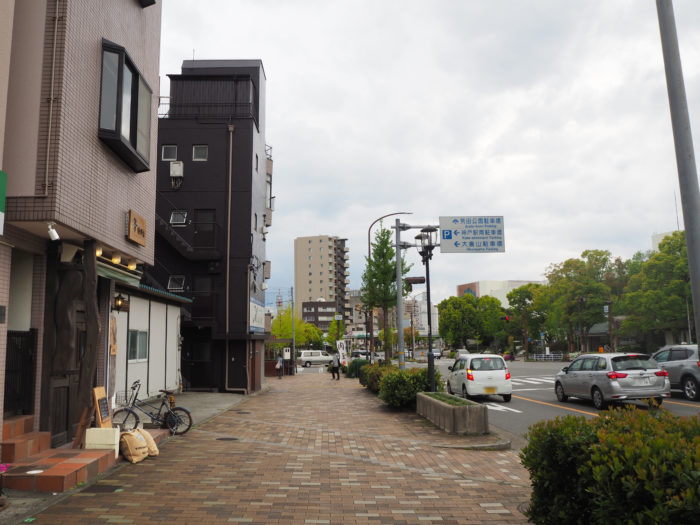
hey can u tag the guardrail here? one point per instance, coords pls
(547, 357)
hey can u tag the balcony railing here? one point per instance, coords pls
(205, 110)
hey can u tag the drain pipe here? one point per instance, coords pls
(231, 129)
(45, 193)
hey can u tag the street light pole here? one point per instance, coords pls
(427, 240)
(369, 255)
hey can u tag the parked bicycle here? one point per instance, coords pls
(177, 419)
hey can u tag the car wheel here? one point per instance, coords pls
(449, 387)
(561, 396)
(506, 397)
(598, 400)
(307, 364)
(690, 388)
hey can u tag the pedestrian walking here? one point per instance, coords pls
(335, 367)
(279, 366)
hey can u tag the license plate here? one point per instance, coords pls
(490, 390)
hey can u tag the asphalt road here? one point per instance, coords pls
(534, 399)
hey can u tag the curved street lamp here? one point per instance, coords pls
(369, 254)
(426, 241)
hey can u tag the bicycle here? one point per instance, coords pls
(177, 419)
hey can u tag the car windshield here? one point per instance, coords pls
(487, 363)
(633, 362)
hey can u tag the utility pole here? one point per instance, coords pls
(683, 140)
(294, 357)
(399, 297)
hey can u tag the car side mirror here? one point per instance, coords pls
(565, 369)
(450, 368)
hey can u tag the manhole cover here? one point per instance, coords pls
(227, 439)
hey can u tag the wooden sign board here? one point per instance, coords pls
(136, 228)
(104, 419)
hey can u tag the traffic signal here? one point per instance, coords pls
(506, 318)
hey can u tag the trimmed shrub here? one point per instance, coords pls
(626, 466)
(555, 451)
(646, 467)
(371, 374)
(399, 387)
(354, 367)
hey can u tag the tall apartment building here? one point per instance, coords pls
(213, 210)
(78, 92)
(321, 275)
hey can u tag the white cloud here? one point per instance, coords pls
(553, 114)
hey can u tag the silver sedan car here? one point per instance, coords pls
(606, 378)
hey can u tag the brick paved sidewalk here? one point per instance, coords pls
(311, 450)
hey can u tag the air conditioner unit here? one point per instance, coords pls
(264, 230)
(177, 168)
(263, 286)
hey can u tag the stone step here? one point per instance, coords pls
(61, 469)
(24, 445)
(15, 426)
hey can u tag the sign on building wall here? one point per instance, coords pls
(257, 317)
(136, 228)
(3, 192)
(472, 234)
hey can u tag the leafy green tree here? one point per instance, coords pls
(305, 334)
(458, 320)
(332, 335)
(379, 281)
(658, 296)
(524, 311)
(490, 311)
(577, 294)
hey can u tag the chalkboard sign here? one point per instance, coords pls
(104, 419)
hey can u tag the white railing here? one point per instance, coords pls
(547, 357)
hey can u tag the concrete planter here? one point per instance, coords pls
(464, 419)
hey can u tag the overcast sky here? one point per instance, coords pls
(553, 114)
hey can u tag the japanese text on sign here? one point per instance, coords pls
(472, 234)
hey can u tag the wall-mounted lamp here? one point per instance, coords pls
(131, 265)
(98, 251)
(116, 258)
(120, 304)
(53, 234)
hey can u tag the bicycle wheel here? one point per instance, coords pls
(178, 420)
(126, 418)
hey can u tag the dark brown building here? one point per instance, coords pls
(213, 208)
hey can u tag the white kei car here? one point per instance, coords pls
(480, 375)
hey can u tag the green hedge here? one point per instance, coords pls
(400, 387)
(625, 466)
(354, 367)
(371, 374)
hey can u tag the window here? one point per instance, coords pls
(178, 217)
(200, 153)
(176, 283)
(138, 345)
(168, 152)
(125, 108)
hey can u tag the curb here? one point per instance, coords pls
(501, 445)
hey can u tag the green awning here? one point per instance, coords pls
(117, 274)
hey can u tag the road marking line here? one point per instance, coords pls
(557, 406)
(680, 403)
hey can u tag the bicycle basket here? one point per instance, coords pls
(122, 398)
